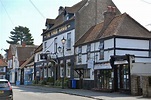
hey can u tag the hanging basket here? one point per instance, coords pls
(69, 63)
(62, 65)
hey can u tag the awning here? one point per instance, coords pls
(27, 62)
(103, 66)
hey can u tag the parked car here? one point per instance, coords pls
(6, 92)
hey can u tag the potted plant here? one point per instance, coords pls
(69, 63)
(62, 64)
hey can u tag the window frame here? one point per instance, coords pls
(88, 51)
(55, 45)
(101, 50)
(69, 41)
(80, 54)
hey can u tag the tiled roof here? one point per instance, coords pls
(122, 25)
(75, 7)
(25, 52)
(2, 63)
(60, 18)
(12, 50)
(31, 59)
(50, 21)
(39, 48)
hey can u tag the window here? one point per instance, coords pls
(87, 73)
(101, 47)
(61, 72)
(68, 72)
(104, 79)
(55, 45)
(80, 55)
(38, 55)
(67, 17)
(1, 69)
(88, 51)
(45, 45)
(69, 41)
(149, 48)
(49, 72)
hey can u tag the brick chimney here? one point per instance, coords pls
(23, 44)
(61, 9)
(109, 15)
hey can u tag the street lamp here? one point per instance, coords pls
(63, 40)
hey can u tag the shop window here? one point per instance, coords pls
(104, 79)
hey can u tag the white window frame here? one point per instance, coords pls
(68, 41)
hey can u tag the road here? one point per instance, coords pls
(22, 93)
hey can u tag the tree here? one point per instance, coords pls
(21, 35)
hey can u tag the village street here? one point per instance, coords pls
(23, 92)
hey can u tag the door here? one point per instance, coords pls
(123, 77)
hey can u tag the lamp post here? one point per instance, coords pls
(63, 40)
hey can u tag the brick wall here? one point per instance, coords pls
(134, 85)
(145, 81)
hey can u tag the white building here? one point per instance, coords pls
(111, 51)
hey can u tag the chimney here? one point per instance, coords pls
(61, 9)
(23, 44)
(109, 15)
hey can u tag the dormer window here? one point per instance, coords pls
(66, 17)
(48, 26)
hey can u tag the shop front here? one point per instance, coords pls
(121, 68)
(113, 76)
(103, 77)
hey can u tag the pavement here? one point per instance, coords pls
(89, 93)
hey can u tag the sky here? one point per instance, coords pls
(33, 13)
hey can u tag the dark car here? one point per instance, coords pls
(6, 92)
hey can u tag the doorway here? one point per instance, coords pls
(122, 78)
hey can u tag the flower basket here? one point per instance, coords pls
(69, 63)
(62, 65)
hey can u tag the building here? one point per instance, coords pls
(69, 26)
(3, 69)
(112, 52)
(17, 55)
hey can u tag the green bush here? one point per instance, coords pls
(50, 79)
(43, 82)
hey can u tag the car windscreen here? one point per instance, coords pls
(3, 84)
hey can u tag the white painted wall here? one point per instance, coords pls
(136, 53)
(109, 43)
(132, 43)
(141, 69)
(50, 44)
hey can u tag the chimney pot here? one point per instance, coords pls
(109, 8)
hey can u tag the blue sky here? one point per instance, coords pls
(21, 12)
